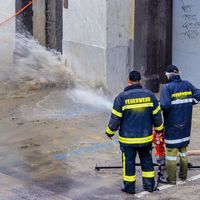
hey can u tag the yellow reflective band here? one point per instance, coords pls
(125, 177)
(156, 110)
(140, 105)
(181, 94)
(118, 114)
(129, 178)
(109, 131)
(135, 140)
(159, 128)
(137, 100)
(148, 174)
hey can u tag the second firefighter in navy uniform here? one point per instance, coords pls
(176, 99)
(135, 112)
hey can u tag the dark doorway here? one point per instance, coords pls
(24, 21)
(152, 40)
(54, 18)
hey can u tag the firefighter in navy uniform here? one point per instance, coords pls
(135, 112)
(176, 99)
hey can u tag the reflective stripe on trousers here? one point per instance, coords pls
(150, 174)
(171, 158)
(183, 154)
(128, 178)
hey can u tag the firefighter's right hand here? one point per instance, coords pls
(160, 133)
(158, 137)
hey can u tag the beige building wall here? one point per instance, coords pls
(132, 17)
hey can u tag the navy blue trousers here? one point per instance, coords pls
(129, 153)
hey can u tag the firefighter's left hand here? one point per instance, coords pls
(194, 101)
(109, 136)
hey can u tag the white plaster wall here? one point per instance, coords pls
(84, 39)
(7, 33)
(96, 41)
(118, 22)
(186, 39)
(118, 31)
(85, 22)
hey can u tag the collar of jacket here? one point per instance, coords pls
(134, 86)
(174, 78)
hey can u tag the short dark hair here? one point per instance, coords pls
(172, 69)
(134, 76)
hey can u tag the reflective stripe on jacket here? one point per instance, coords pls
(135, 112)
(176, 100)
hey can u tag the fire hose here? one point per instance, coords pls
(17, 13)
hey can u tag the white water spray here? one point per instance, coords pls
(35, 67)
(42, 67)
(90, 97)
(62, 104)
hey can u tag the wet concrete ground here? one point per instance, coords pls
(52, 155)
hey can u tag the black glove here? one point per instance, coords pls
(194, 101)
(161, 133)
(109, 135)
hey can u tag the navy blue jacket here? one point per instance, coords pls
(176, 100)
(135, 112)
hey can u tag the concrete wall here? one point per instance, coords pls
(7, 34)
(186, 39)
(118, 28)
(96, 40)
(84, 39)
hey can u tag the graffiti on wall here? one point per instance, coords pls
(191, 22)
